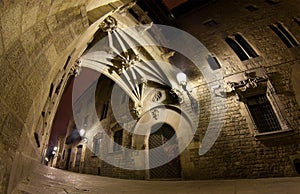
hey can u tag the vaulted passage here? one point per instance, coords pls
(92, 89)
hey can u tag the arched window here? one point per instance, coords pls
(241, 47)
(286, 37)
(118, 139)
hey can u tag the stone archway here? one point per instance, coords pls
(166, 116)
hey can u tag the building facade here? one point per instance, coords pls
(243, 123)
(255, 47)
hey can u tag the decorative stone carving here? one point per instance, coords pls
(109, 24)
(155, 113)
(168, 55)
(246, 84)
(250, 85)
(76, 68)
(177, 94)
(124, 10)
(138, 110)
(157, 96)
(121, 64)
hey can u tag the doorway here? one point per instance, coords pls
(160, 134)
(68, 159)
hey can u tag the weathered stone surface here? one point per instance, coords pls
(12, 130)
(6, 158)
(29, 18)
(33, 84)
(52, 23)
(3, 114)
(1, 41)
(18, 60)
(11, 22)
(31, 46)
(51, 54)
(8, 78)
(43, 66)
(19, 101)
(44, 9)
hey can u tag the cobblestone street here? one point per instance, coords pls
(50, 180)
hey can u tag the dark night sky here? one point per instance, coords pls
(64, 111)
(173, 3)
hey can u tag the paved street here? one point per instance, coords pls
(50, 180)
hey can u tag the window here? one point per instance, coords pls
(262, 113)
(251, 8)
(51, 90)
(118, 136)
(96, 146)
(297, 20)
(241, 47)
(213, 62)
(286, 37)
(272, 2)
(104, 111)
(210, 23)
(97, 143)
(260, 104)
(297, 165)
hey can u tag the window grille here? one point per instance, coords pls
(263, 113)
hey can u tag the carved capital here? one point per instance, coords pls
(138, 110)
(109, 24)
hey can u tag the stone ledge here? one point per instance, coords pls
(274, 134)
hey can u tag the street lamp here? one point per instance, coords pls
(81, 132)
(182, 80)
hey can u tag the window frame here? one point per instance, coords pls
(269, 93)
(241, 47)
(116, 146)
(284, 35)
(257, 83)
(97, 138)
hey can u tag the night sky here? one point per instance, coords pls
(64, 111)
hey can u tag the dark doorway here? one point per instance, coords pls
(68, 159)
(297, 165)
(78, 156)
(165, 150)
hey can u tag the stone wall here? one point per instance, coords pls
(237, 152)
(37, 41)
